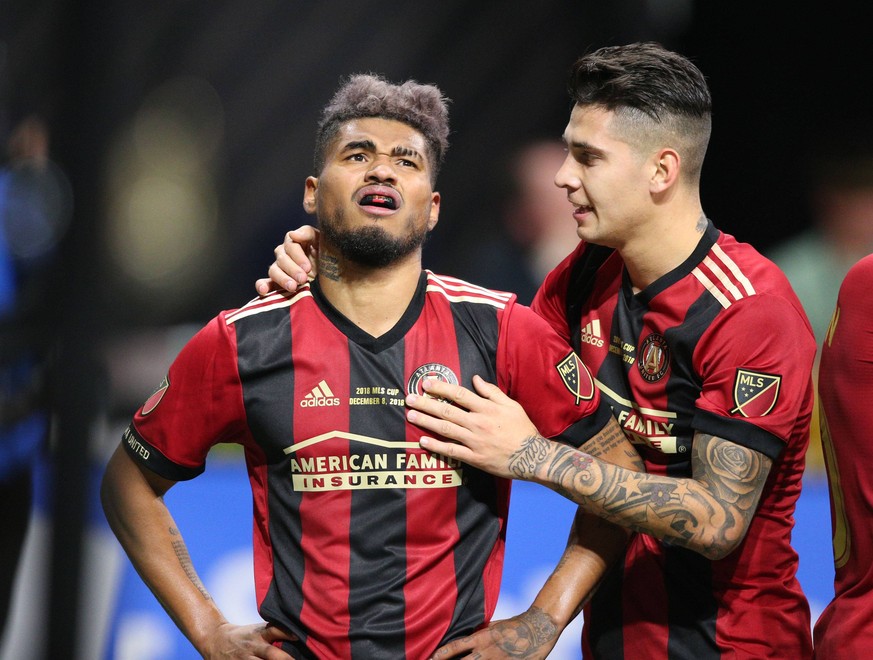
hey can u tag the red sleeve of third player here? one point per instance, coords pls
(538, 369)
(198, 405)
(756, 362)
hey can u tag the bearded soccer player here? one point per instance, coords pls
(366, 546)
(845, 385)
(704, 354)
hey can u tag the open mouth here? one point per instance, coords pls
(378, 200)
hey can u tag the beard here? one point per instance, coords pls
(372, 246)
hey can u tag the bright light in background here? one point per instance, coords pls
(162, 206)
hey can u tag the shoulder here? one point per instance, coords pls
(456, 290)
(739, 269)
(272, 302)
(860, 275)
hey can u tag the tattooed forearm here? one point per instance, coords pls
(533, 452)
(185, 561)
(709, 513)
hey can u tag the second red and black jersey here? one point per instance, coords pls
(844, 629)
(720, 345)
(366, 546)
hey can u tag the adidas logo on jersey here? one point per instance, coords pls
(320, 396)
(591, 333)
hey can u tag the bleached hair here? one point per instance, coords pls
(423, 107)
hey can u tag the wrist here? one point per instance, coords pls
(529, 461)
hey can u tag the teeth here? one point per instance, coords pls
(378, 200)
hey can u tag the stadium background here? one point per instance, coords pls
(185, 129)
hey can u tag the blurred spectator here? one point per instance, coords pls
(840, 193)
(537, 228)
(841, 203)
(34, 213)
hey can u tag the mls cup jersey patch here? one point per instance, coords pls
(755, 393)
(576, 377)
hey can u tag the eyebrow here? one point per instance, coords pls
(369, 145)
(579, 145)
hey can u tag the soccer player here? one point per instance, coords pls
(845, 385)
(366, 546)
(704, 354)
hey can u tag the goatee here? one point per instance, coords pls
(372, 246)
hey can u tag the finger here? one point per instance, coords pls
(453, 648)
(272, 634)
(292, 260)
(488, 390)
(265, 285)
(457, 394)
(280, 278)
(436, 421)
(305, 234)
(275, 653)
(453, 450)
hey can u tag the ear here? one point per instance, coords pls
(434, 211)
(310, 189)
(666, 173)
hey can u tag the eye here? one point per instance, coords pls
(408, 163)
(357, 157)
(585, 157)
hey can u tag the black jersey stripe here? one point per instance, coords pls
(267, 378)
(377, 525)
(479, 501)
(692, 614)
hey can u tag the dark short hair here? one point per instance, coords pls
(423, 107)
(651, 87)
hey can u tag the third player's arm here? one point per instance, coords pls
(709, 512)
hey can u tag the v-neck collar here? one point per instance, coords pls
(363, 338)
(710, 236)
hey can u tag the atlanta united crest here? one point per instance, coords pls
(654, 357)
(576, 377)
(432, 370)
(755, 393)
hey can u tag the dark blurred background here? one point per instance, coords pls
(182, 132)
(186, 127)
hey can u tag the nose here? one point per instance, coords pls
(382, 169)
(566, 177)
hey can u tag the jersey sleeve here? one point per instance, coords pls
(537, 368)
(550, 300)
(198, 405)
(756, 364)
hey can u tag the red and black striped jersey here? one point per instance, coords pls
(720, 345)
(366, 546)
(845, 386)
